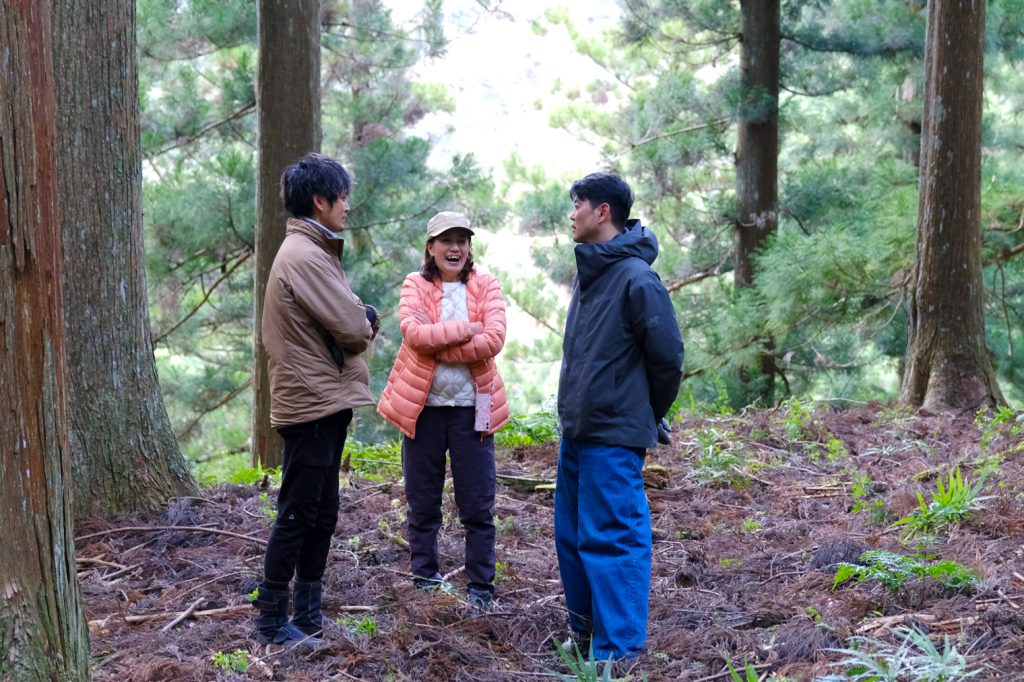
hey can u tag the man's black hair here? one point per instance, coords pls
(313, 174)
(605, 188)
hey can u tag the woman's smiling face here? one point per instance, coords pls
(450, 250)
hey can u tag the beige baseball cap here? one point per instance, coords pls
(446, 220)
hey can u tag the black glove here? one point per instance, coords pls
(373, 317)
(663, 432)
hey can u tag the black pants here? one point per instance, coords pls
(307, 504)
(440, 430)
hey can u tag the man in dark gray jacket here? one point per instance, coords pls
(622, 363)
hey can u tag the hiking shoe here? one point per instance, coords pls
(289, 636)
(479, 599)
(429, 584)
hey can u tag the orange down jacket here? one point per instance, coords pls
(424, 345)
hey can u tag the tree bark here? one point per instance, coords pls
(124, 452)
(43, 634)
(288, 105)
(947, 363)
(757, 150)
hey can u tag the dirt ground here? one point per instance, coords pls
(750, 514)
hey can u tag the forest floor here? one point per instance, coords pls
(751, 512)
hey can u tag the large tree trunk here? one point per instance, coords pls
(43, 634)
(124, 451)
(947, 363)
(288, 102)
(757, 152)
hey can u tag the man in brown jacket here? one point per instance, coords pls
(315, 331)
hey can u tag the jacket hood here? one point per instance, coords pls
(636, 241)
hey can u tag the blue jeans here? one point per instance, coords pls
(603, 542)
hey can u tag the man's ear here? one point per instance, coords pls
(321, 204)
(604, 211)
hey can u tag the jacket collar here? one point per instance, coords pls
(316, 233)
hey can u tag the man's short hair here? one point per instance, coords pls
(313, 174)
(605, 188)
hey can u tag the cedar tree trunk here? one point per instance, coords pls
(124, 451)
(288, 102)
(947, 363)
(43, 634)
(757, 151)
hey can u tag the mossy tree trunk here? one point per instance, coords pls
(288, 105)
(947, 362)
(757, 158)
(43, 634)
(124, 451)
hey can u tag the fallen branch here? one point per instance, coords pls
(886, 622)
(1013, 605)
(523, 484)
(451, 574)
(209, 613)
(147, 529)
(184, 614)
(99, 562)
(395, 538)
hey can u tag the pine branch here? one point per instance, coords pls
(246, 254)
(189, 139)
(186, 433)
(692, 279)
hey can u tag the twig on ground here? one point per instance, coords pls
(209, 582)
(395, 538)
(1013, 605)
(886, 622)
(149, 529)
(100, 562)
(184, 614)
(451, 574)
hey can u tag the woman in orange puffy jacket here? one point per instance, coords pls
(445, 395)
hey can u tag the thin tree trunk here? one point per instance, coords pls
(43, 634)
(757, 151)
(124, 451)
(947, 363)
(288, 104)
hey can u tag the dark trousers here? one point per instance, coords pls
(307, 504)
(440, 430)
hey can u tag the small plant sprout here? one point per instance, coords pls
(531, 429)
(235, 662)
(257, 474)
(914, 657)
(749, 671)
(719, 462)
(951, 503)
(365, 626)
(750, 526)
(894, 570)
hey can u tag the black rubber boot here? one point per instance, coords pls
(272, 626)
(308, 601)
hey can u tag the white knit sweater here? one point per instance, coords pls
(453, 384)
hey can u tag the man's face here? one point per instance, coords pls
(331, 216)
(586, 220)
